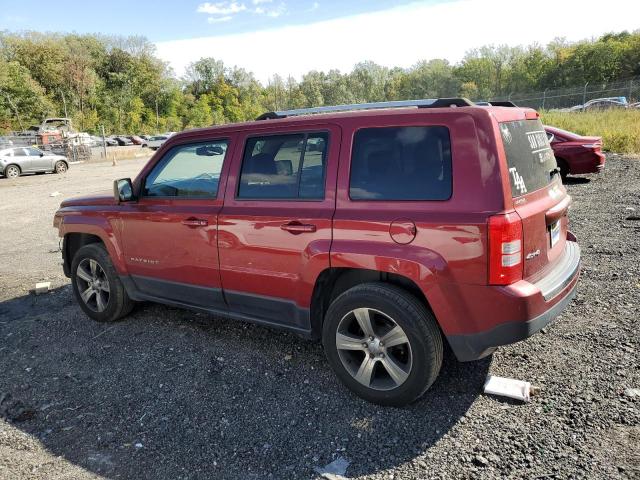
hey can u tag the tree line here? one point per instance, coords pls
(118, 82)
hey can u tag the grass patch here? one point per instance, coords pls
(619, 129)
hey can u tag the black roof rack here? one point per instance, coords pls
(426, 103)
(500, 103)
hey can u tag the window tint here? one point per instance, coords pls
(529, 155)
(19, 152)
(401, 163)
(188, 171)
(284, 166)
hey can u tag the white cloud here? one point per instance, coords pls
(403, 35)
(219, 19)
(221, 8)
(314, 6)
(258, 2)
(273, 12)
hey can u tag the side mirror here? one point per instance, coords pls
(123, 190)
(42, 154)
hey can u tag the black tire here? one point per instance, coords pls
(419, 327)
(60, 167)
(118, 304)
(564, 168)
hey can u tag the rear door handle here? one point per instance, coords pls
(195, 222)
(297, 227)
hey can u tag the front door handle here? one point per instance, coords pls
(297, 227)
(195, 222)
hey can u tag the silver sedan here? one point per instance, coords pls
(18, 160)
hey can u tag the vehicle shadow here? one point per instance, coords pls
(168, 393)
(576, 180)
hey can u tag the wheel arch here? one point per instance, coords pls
(333, 281)
(72, 242)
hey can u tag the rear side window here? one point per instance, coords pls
(284, 167)
(401, 163)
(529, 156)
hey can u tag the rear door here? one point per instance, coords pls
(275, 225)
(539, 197)
(22, 159)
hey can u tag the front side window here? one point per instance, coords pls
(33, 152)
(401, 163)
(188, 171)
(284, 167)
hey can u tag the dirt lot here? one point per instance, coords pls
(173, 394)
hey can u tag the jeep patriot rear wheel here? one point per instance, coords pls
(383, 343)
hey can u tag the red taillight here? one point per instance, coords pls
(505, 249)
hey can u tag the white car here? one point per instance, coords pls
(18, 160)
(155, 142)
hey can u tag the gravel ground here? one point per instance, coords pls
(172, 394)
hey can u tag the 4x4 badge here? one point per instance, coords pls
(532, 255)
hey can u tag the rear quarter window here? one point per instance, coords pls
(401, 163)
(529, 156)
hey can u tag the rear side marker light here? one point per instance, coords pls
(505, 249)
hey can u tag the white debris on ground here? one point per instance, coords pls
(42, 287)
(334, 470)
(54, 194)
(509, 387)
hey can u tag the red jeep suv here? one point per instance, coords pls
(383, 229)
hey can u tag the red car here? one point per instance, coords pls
(383, 229)
(574, 153)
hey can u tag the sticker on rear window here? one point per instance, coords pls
(518, 181)
(529, 156)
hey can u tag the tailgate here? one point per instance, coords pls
(539, 197)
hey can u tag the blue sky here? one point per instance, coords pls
(292, 37)
(163, 20)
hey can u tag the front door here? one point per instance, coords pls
(275, 225)
(39, 161)
(169, 235)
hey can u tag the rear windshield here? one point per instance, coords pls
(529, 155)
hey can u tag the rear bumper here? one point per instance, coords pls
(553, 292)
(592, 162)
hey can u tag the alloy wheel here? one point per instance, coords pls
(93, 285)
(12, 172)
(374, 349)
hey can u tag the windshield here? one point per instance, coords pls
(529, 156)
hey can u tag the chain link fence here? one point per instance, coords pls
(566, 98)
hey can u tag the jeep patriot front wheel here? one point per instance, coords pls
(96, 285)
(383, 343)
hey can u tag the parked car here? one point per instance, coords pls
(123, 140)
(18, 160)
(136, 140)
(575, 154)
(111, 142)
(156, 142)
(397, 233)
